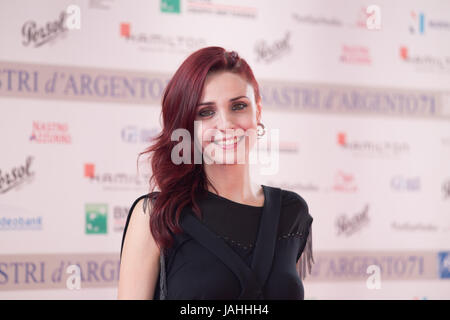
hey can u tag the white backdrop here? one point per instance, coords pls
(363, 116)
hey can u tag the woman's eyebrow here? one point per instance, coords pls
(231, 100)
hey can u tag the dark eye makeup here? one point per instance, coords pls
(207, 112)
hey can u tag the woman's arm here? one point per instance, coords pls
(139, 266)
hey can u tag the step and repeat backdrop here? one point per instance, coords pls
(359, 91)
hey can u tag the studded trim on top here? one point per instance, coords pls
(296, 234)
(246, 246)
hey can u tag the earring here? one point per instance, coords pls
(261, 130)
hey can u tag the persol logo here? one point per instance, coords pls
(15, 176)
(38, 36)
(69, 19)
(348, 226)
(268, 52)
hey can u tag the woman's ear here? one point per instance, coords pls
(258, 113)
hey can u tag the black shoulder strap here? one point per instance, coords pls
(267, 235)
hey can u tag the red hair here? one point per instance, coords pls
(179, 185)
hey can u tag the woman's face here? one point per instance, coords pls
(227, 109)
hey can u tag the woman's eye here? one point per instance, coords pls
(241, 106)
(205, 113)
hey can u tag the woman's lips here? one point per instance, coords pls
(228, 144)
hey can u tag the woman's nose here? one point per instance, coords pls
(225, 120)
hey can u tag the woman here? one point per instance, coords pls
(210, 232)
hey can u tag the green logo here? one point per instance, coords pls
(96, 218)
(170, 6)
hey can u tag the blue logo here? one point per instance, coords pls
(444, 264)
(130, 134)
(133, 134)
(419, 21)
(401, 183)
(21, 223)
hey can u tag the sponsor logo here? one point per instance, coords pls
(96, 218)
(444, 264)
(358, 55)
(401, 183)
(125, 30)
(266, 52)
(296, 186)
(160, 42)
(349, 225)
(171, 6)
(425, 62)
(114, 181)
(16, 177)
(120, 214)
(21, 223)
(133, 134)
(371, 148)
(407, 226)
(344, 182)
(220, 10)
(100, 4)
(36, 36)
(317, 20)
(446, 189)
(50, 133)
(368, 18)
(419, 24)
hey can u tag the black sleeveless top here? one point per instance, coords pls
(239, 251)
